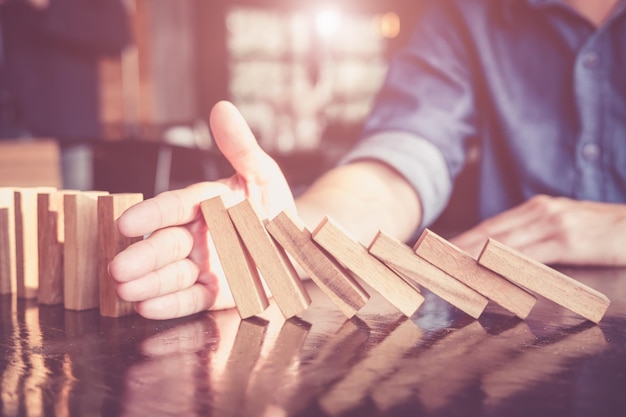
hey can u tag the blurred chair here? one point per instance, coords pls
(30, 163)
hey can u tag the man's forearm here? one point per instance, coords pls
(364, 197)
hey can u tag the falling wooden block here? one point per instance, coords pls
(278, 272)
(26, 240)
(400, 258)
(51, 236)
(110, 243)
(452, 260)
(329, 276)
(545, 281)
(8, 263)
(80, 250)
(241, 274)
(357, 259)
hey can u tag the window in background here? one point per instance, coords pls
(295, 73)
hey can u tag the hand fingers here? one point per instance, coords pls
(263, 178)
(179, 304)
(237, 143)
(173, 277)
(170, 208)
(159, 249)
(516, 226)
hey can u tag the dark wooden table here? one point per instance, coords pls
(438, 363)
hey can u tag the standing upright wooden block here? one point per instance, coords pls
(329, 276)
(545, 281)
(242, 276)
(80, 250)
(279, 274)
(110, 243)
(51, 235)
(8, 280)
(26, 246)
(356, 258)
(447, 257)
(406, 263)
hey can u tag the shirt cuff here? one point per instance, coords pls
(415, 158)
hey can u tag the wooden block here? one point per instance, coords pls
(26, 240)
(400, 258)
(278, 272)
(545, 281)
(452, 260)
(80, 250)
(357, 259)
(110, 243)
(329, 276)
(241, 274)
(8, 263)
(51, 236)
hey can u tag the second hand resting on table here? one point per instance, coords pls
(174, 272)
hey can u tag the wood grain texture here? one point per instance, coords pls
(354, 256)
(330, 277)
(51, 236)
(110, 243)
(8, 263)
(80, 250)
(400, 258)
(241, 274)
(276, 269)
(462, 266)
(545, 281)
(26, 240)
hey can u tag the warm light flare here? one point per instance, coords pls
(327, 22)
(388, 25)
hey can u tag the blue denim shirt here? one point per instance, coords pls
(535, 84)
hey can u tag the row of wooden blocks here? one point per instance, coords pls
(55, 246)
(252, 249)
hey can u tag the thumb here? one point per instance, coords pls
(261, 174)
(237, 143)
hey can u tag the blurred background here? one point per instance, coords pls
(303, 73)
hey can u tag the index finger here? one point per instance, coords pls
(170, 208)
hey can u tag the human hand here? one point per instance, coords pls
(174, 272)
(556, 230)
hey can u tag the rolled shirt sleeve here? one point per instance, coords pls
(423, 117)
(417, 160)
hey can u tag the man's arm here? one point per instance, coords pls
(364, 196)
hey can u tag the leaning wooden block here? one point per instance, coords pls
(80, 250)
(447, 257)
(241, 274)
(545, 281)
(8, 263)
(356, 258)
(26, 240)
(110, 243)
(329, 276)
(51, 235)
(279, 274)
(400, 258)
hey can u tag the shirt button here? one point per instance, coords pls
(590, 152)
(590, 60)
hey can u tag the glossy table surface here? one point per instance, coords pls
(438, 363)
